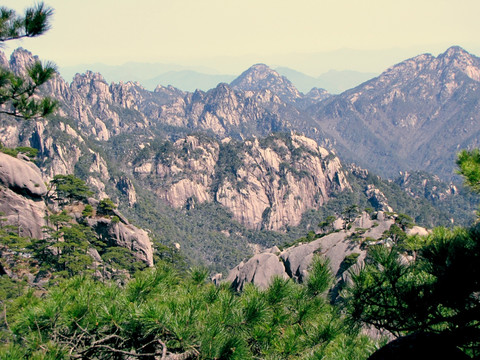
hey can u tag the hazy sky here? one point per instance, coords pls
(230, 35)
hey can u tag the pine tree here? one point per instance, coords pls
(17, 90)
(432, 299)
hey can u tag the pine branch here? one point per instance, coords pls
(35, 22)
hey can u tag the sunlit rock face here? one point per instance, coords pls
(266, 184)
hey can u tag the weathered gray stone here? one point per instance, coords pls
(259, 270)
(363, 221)
(124, 235)
(298, 258)
(417, 230)
(21, 176)
(23, 212)
(377, 198)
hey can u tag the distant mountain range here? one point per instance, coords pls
(414, 116)
(334, 81)
(193, 78)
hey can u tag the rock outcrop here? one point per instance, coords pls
(124, 235)
(21, 192)
(259, 270)
(22, 204)
(378, 200)
(294, 262)
(21, 176)
(265, 183)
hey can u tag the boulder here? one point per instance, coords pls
(294, 262)
(298, 258)
(259, 270)
(363, 221)
(21, 195)
(24, 212)
(417, 230)
(334, 246)
(124, 235)
(21, 176)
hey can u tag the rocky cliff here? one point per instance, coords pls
(266, 184)
(194, 149)
(392, 121)
(27, 207)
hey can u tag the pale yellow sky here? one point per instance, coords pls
(236, 33)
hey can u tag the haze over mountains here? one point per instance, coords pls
(388, 124)
(203, 78)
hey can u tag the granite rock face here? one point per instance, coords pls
(266, 184)
(24, 212)
(388, 124)
(21, 192)
(294, 262)
(21, 176)
(22, 204)
(124, 235)
(259, 270)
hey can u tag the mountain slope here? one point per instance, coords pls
(416, 115)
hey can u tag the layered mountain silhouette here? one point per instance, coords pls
(170, 151)
(414, 116)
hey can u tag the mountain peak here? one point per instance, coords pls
(454, 51)
(21, 59)
(460, 59)
(261, 67)
(256, 77)
(260, 76)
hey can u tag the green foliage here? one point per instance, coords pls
(71, 188)
(469, 164)
(122, 258)
(36, 21)
(28, 151)
(327, 224)
(348, 261)
(158, 311)
(17, 92)
(87, 211)
(320, 277)
(395, 233)
(200, 231)
(64, 247)
(404, 221)
(350, 213)
(9, 151)
(106, 207)
(10, 289)
(434, 293)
